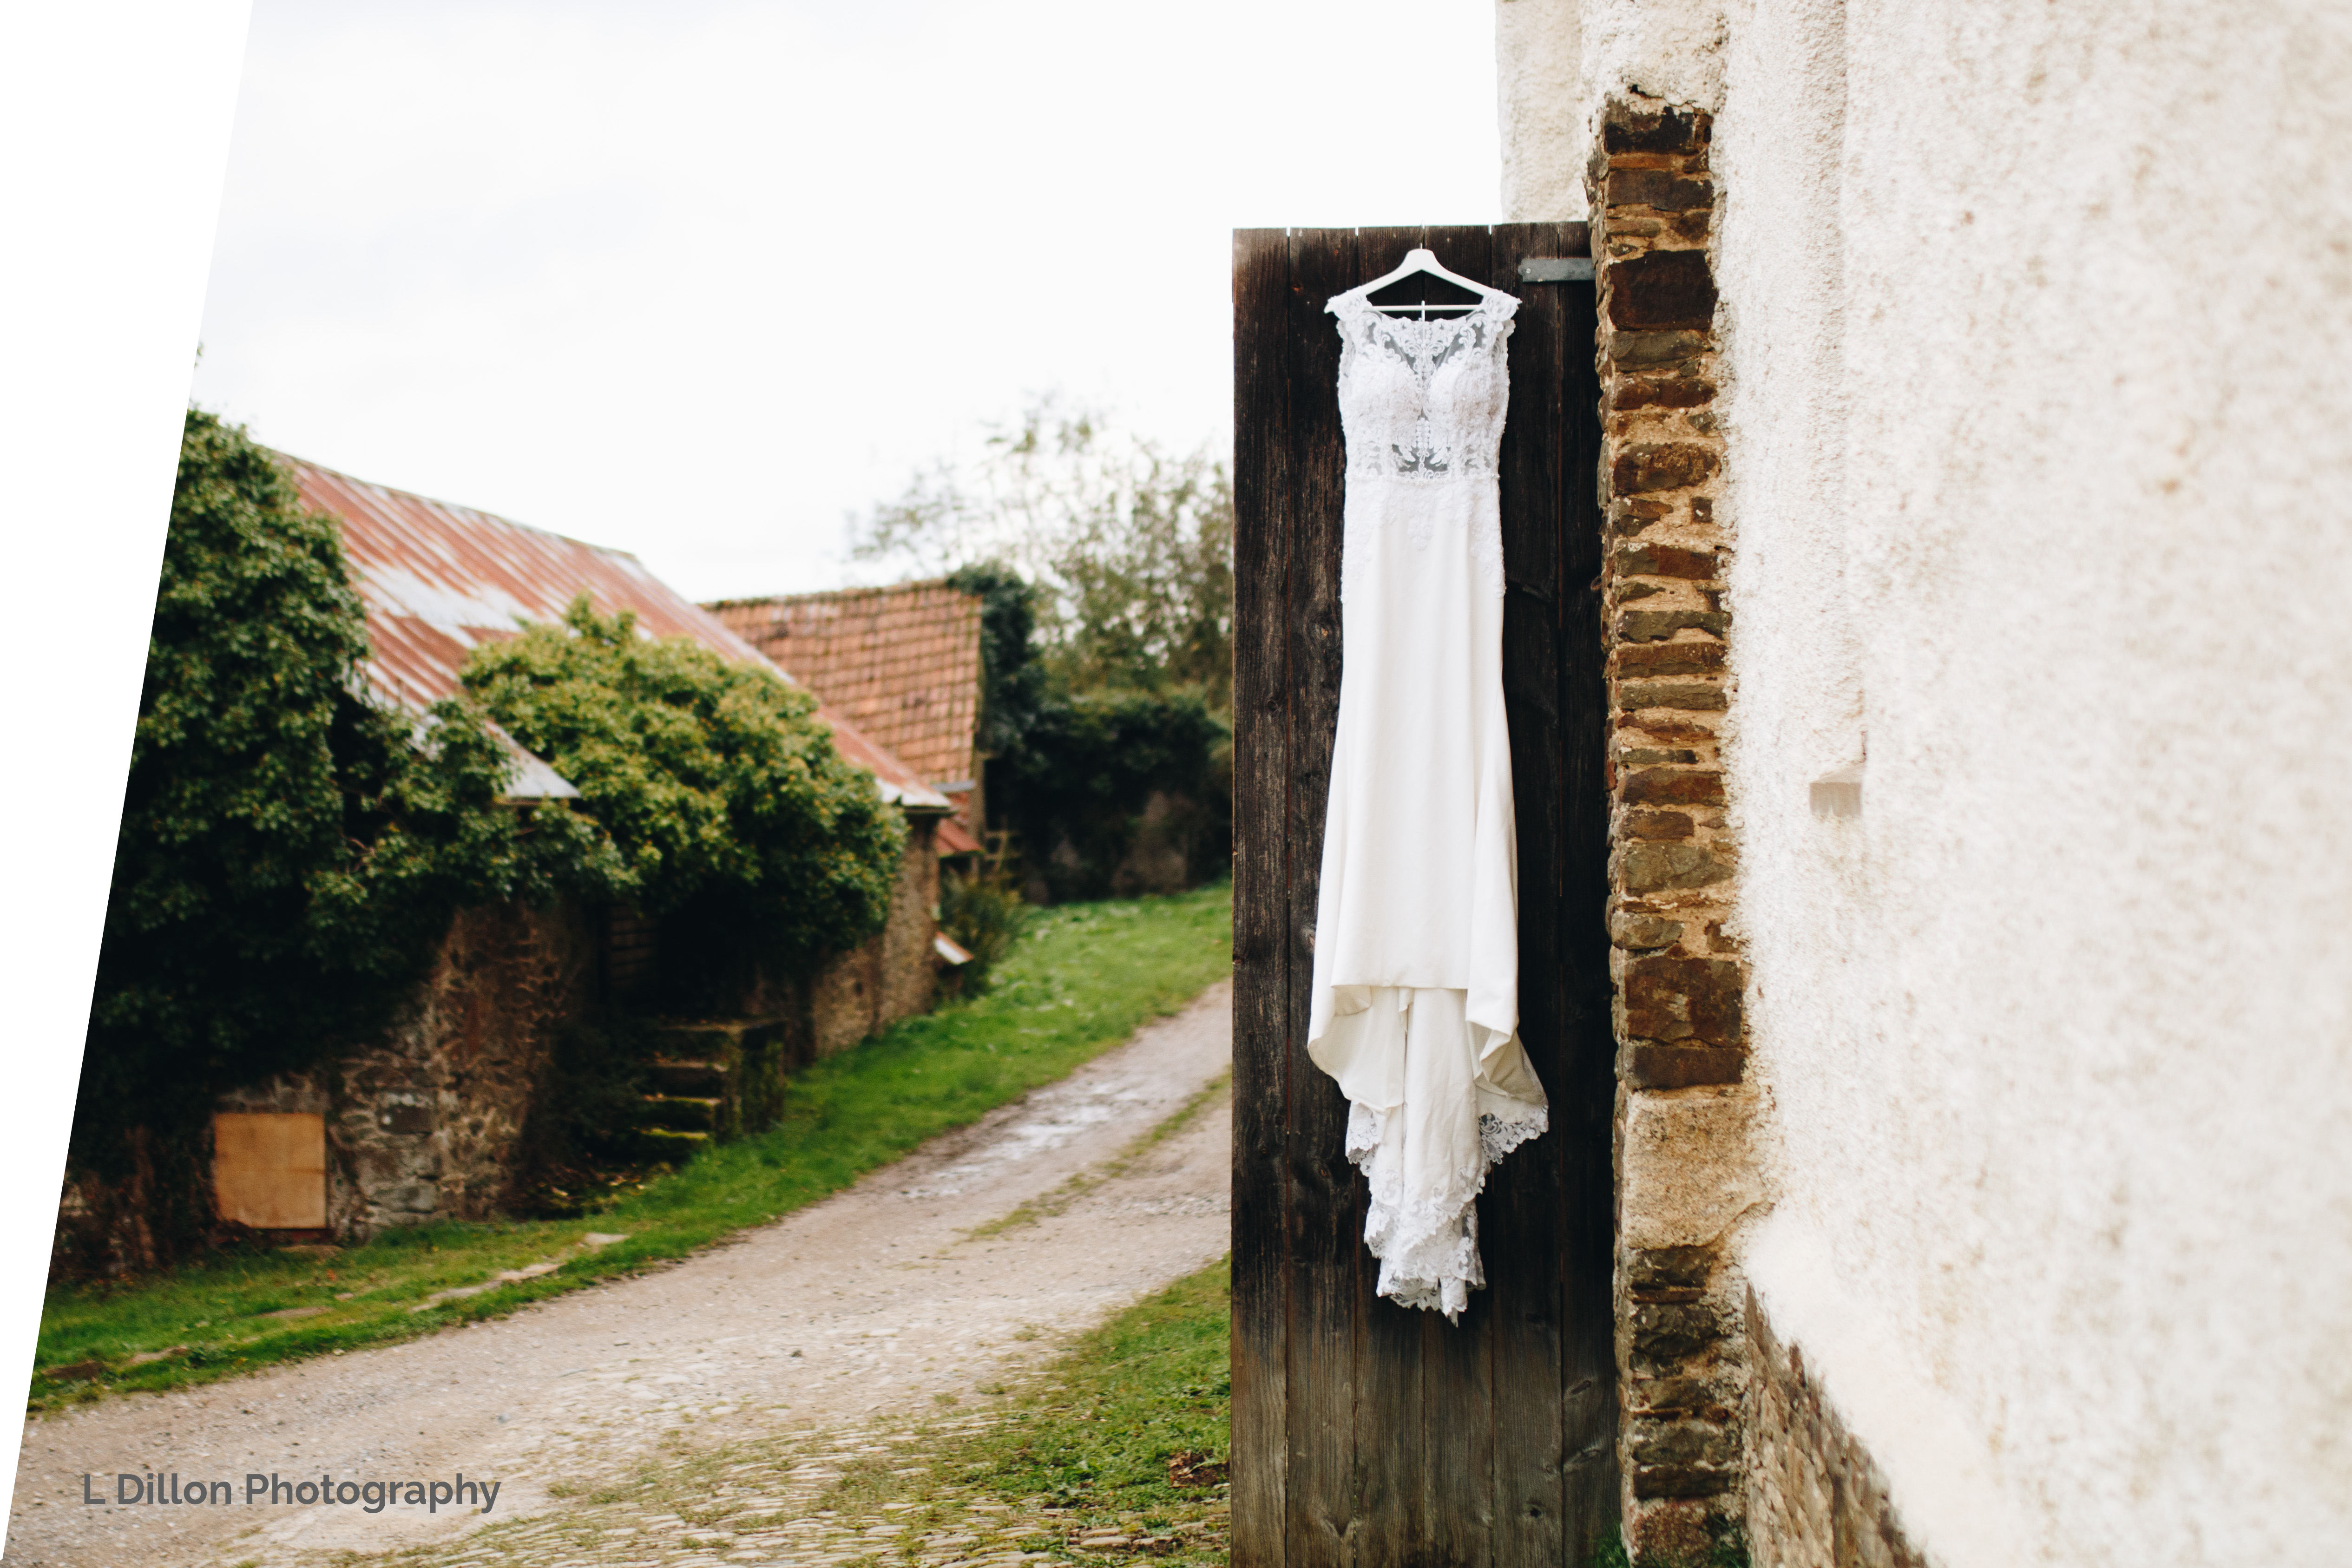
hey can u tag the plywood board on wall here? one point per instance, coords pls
(270, 1169)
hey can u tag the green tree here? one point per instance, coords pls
(290, 852)
(1128, 548)
(1104, 568)
(735, 818)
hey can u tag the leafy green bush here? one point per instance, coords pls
(736, 821)
(289, 853)
(983, 913)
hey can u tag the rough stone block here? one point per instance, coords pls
(1668, 560)
(1657, 725)
(1684, 1443)
(1684, 391)
(1636, 932)
(1674, 787)
(1648, 351)
(1683, 695)
(1631, 129)
(1660, 825)
(1663, 290)
(1687, 1173)
(1650, 1065)
(1669, 1331)
(1656, 868)
(1657, 625)
(406, 1119)
(1709, 1390)
(1682, 1481)
(1693, 1000)
(1661, 465)
(1657, 1269)
(1677, 1531)
(1667, 659)
(1661, 189)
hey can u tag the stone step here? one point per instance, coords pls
(677, 1113)
(693, 1080)
(666, 1145)
(731, 1070)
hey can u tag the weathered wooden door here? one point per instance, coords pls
(1365, 1434)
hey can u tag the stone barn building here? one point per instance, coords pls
(426, 1122)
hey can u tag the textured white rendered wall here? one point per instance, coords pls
(1558, 62)
(1671, 50)
(2040, 449)
(1536, 58)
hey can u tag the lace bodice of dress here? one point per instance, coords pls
(1422, 402)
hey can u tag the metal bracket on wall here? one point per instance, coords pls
(1555, 269)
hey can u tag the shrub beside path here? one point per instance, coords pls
(930, 1280)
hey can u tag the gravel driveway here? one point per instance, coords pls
(870, 1303)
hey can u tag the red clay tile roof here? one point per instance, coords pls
(438, 579)
(903, 662)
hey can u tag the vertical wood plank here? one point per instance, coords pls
(1262, 526)
(1325, 1214)
(1397, 1497)
(1588, 1198)
(1525, 1192)
(1458, 1381)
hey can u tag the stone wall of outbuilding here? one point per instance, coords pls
(427, 1123)
(893, 974)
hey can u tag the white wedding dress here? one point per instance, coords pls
(1414, 1007)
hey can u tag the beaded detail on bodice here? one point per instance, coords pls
(1422, 402)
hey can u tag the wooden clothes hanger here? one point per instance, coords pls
(1420, 260)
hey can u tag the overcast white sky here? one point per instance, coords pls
(695, 277)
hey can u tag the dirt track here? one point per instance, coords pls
(876, 1300)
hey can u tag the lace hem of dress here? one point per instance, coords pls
(1428, 1246)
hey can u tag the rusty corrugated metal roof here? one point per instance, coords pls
(439, 579)
(901, 663)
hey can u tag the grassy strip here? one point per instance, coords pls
(1079, 982)
(1094, 1434)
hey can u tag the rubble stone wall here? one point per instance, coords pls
(1684, 1171)
(894, 974)
(427, 1122)
(1816, 1498)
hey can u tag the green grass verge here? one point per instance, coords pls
(1094, 1434)
(1080, 981)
